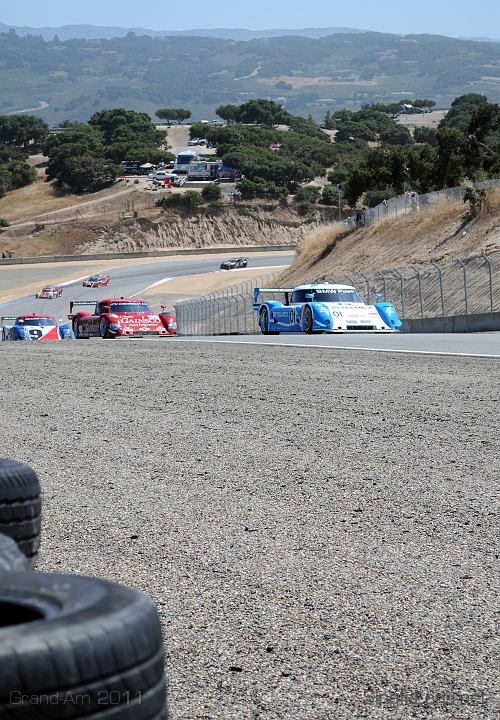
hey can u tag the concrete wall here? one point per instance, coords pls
(482, 322)
(240, 250)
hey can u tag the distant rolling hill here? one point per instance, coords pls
(94, 32)
(72, 78)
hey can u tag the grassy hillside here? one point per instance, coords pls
(434, 235)
(77, 77)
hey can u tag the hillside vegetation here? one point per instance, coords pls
(75, 78)
(433, 235)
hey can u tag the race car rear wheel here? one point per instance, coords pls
(103, 328)
(307, 320)
(264, 323)
(20, 507)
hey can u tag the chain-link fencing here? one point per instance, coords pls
(454, 287)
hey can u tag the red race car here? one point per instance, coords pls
(95, 281)
(49, 292)
(120, 317)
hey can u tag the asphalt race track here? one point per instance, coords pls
(131, 280)
(474, 344)
(318, 528)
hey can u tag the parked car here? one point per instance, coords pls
(162, 175)
(234, 263)
(50, 292)
(322, 308)
(34, 327)
(120, 317)
(95, 281)
(197, 141)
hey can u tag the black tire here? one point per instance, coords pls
(20, 507)
(11, 558)
(103, 328)
(74, 647)
(76, 332)
(264, 322)
(307, 320)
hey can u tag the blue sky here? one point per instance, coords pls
(444, 17)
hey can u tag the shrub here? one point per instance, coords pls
(188, 200)
(4, 223)
(375, 197)
(307, 194)
(211, 193)
(330, 195)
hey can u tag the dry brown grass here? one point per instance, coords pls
(435, 234)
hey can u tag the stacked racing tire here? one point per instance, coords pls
(70, 647)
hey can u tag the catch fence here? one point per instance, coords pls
(453, 287)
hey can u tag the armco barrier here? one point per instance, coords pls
(230, 249)
(482, 322)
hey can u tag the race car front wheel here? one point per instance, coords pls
(76, 331)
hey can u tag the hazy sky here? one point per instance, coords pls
(444, 17)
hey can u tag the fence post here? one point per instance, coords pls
(420, 290)
(491, 280)
(350, 279)
(368, 287)
(465, 288)
(440, 285)
(402, 292)
(385, 284)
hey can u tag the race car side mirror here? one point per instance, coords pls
(309, 296)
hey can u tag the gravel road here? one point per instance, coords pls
(317, 527)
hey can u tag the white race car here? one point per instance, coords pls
(320, 308)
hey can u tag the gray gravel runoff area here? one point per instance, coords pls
(317, 527)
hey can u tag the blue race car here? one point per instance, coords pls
(318, 308)
(34, 327)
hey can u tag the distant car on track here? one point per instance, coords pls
(120, 317)
(50, 292)
(234, 263)
(318, 308)
(95, 281)
(34, 327)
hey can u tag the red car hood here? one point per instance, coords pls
(136, 319)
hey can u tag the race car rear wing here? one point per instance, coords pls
(7, 318)
(259, 291)
(80, 302)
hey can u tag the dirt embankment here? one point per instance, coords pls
(207, 226)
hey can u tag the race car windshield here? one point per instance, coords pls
(130, 308)
(40, 322)
(348, 295)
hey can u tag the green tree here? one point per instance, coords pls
(329, 122)
(425, 135)
(79, 141)
(307, 194)
(85, 174)
(120, 125)
(227, 112)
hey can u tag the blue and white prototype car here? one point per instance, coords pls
(34, 327)
(318, 308)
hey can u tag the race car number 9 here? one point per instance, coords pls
(35, 333)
